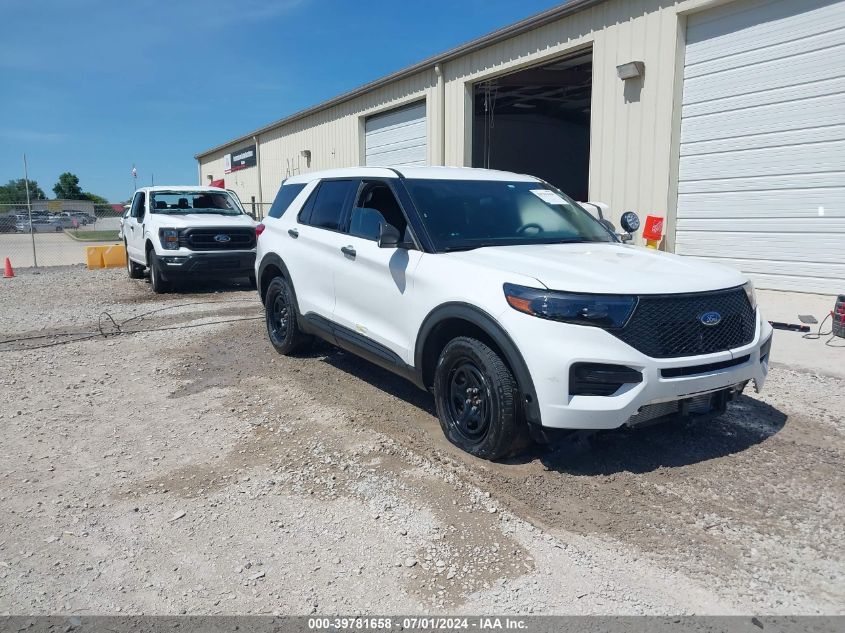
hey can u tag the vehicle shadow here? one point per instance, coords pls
(372, 374)
(672, 444)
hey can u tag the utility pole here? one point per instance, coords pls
(29, 209)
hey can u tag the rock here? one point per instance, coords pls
(410, 562)
(176, 516)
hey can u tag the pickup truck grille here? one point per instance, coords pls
(668, 326)
(209, 239)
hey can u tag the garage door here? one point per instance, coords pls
(397, 137)
(762, 168)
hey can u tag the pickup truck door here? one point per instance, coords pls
(134, 227)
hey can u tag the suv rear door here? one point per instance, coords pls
(314, 242)
(373, 285)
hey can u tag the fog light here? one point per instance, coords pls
(173, 260)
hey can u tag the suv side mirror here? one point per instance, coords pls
(388, 236)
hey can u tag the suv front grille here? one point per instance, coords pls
(667, 326)
(205, 239)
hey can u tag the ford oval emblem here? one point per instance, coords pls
(225, 238)
(710, 318)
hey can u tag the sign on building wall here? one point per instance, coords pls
(240, 159)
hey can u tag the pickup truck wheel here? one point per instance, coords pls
(280, 315)
(157, 281)
(136, 271)
(475, 396)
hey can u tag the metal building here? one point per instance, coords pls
(727, 117)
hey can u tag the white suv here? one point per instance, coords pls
(187, 232)
(518, 309)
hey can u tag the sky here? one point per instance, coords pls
(95, 86)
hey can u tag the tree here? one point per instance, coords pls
(15, 192)
(68, 187)
(93, 197)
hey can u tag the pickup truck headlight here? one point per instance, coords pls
(169, 239)
(606, 311)
(752, 296)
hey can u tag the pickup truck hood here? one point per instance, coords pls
(604, 268)
(195, 220)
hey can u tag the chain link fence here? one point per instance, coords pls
(60, 230)
(56, 232)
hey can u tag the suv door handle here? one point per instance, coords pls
(348, 250)
(293, 232)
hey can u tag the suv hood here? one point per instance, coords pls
(604, 268)
(194, 220)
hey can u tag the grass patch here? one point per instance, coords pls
(93, 236)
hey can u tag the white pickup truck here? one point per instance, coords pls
(179, 233)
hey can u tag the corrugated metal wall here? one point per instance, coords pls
(631, 162)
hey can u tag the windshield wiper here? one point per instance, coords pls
(455, 248)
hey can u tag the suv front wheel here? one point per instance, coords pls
(280, 315)
(475, 395)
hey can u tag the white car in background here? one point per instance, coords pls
(518, 309)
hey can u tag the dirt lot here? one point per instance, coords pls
(193, 470)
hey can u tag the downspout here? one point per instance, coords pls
(441, 99)
(258, 167)
(199, 172)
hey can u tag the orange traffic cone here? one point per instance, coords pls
(8, 273)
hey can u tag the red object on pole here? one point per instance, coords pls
(219, 183)
(8, 273)
(653, 228)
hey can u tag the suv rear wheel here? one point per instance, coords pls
(280, 315)
(475, 396)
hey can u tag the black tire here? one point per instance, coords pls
(136, 271)
(490, 425)
(280, 315)
(159, 284)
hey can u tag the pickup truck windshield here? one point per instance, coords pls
(466, 214)
(181, 202)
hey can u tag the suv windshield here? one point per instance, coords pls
(466, 214)
(172, 202)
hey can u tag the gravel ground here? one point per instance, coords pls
(187, 468)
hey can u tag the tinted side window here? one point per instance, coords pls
(327, 209)
(137, 210)
(283, 199)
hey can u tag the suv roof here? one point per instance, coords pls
(433, 173)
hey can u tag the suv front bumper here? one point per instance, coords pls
(228, 264)
(550, 348)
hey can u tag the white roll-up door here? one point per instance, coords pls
(397, 137)
(761, 184)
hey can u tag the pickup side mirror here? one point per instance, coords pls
(388, 236)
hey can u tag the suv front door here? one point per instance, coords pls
(372, 284)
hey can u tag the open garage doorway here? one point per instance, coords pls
(537, 121)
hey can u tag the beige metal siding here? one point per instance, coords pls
(632, 126)
(631, 122)
(336, 136)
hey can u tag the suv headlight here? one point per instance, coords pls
(169, 239)
(606, 311)
(749, 292)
